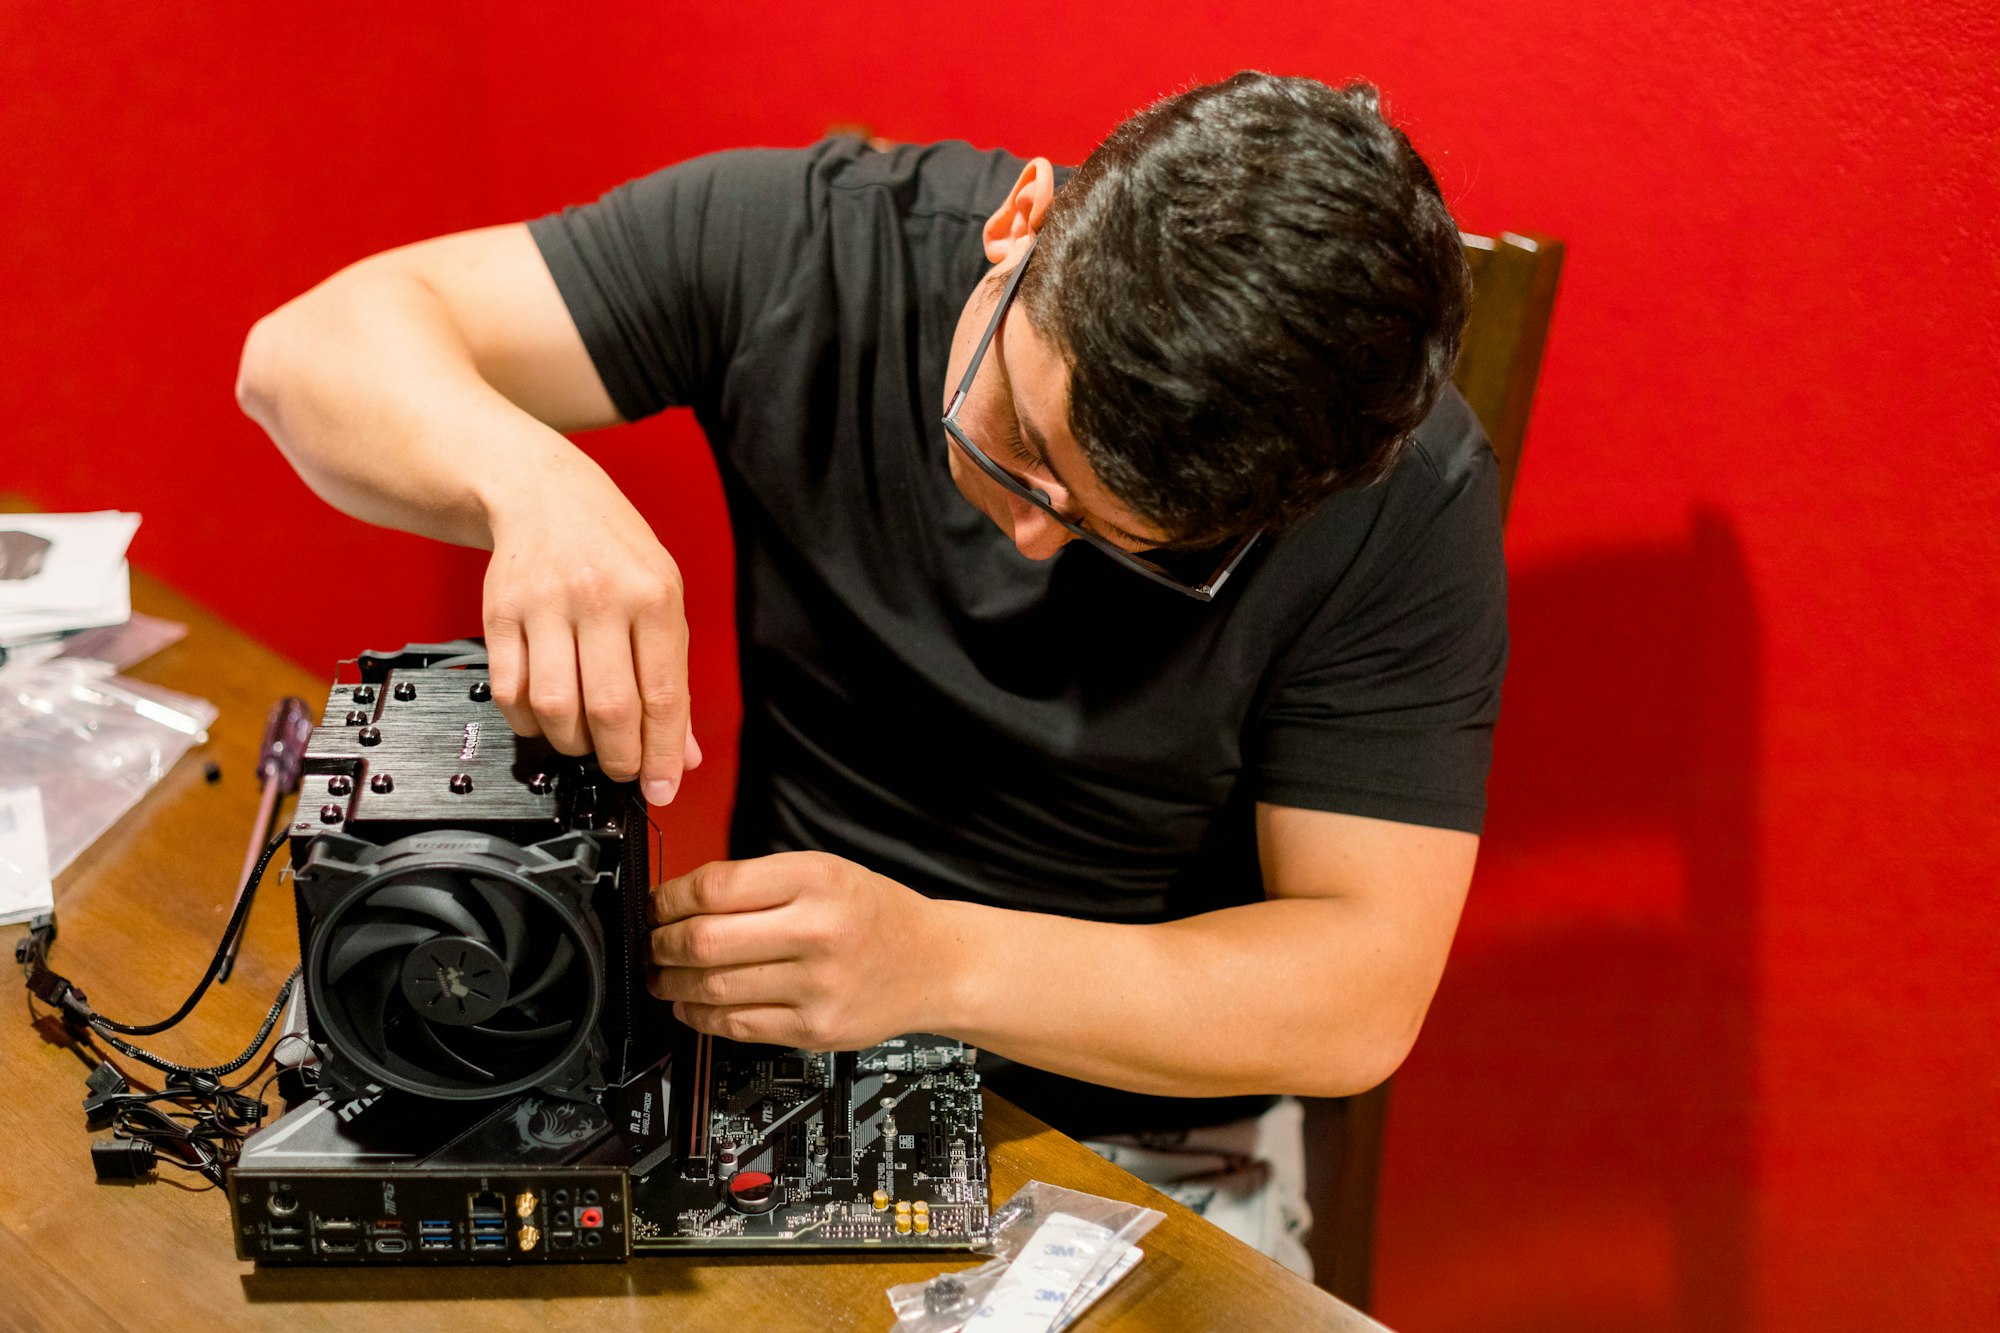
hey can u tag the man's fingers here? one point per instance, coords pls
(765, 1024)
(610, 696)
(728, 939)
(659, 653)
(553, 692)
(748, 983)
(727, 886)
(507, 672)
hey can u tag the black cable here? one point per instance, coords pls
(203, 1146)
(236, 920)
(211, 1072)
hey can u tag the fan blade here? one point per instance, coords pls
(526, 1034)
(366, 1000)
(433, 1082)
(453, 1060)
(431, 900)
(564, 955)
(360, 943)
(511, 908)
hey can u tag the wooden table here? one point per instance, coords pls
(139, 915)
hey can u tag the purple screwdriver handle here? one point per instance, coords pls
(281, 756)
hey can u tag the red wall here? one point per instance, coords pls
(1718, 1046)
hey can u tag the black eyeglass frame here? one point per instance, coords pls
(1204, 591)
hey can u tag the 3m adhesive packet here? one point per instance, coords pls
(1058, 1249)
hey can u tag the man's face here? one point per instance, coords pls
(1018, 414)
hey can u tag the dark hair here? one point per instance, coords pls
(1259, 293)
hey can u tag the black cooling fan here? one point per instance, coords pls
(472, 905)
(450, 970)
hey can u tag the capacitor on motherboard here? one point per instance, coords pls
(726, 1154)
(881, 1200)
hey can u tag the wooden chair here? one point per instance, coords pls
(1514, 279)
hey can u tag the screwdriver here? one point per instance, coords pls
(281, 757)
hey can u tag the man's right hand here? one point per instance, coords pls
(428, 389)
(586, 635)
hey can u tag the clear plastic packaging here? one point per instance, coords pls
(1057, 1251)
(92, 742)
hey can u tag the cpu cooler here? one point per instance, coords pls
(471, 903)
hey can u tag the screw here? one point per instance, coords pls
(382, 782)
(541, 784)
(364, 694)
(371, 735)
(329, 814)
(405, 691)
(339, 784)
(461, 783)
(481, 692)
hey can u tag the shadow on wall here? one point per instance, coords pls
(1571, 1145)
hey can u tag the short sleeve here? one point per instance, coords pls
(665, 274)
(1386, 705)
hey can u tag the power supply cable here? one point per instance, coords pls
(59, 993)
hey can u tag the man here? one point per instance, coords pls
(1169, 826)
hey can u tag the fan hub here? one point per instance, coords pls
(455, 981)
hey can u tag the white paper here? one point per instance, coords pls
(25, 888)
(114, 607)
(81, 580)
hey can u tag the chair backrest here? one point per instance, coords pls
(1514, 278)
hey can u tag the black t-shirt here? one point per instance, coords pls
(1060, 735)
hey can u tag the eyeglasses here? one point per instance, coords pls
(1202, 591)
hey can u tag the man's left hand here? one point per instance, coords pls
(798, 949)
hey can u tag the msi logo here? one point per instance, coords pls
(550, 1124)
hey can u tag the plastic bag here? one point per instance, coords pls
(1058, 1250)
(92, 742)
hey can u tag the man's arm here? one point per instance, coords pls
(1319, 990)
(427, 389)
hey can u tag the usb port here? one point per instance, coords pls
(391, 1245)
(387, 1226)
(276, 1246)
(435, 1226)
(489, 1242)
(284, 1229)
(438, 1243)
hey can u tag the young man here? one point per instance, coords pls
(1169, 826)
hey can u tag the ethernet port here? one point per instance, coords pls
(488, 1206)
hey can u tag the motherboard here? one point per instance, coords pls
(842, 1150)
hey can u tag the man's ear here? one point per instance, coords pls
(1021, 216)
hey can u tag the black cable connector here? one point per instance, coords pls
(32, 949)
(123, 1159)
(60, 994)
(106, 1086)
